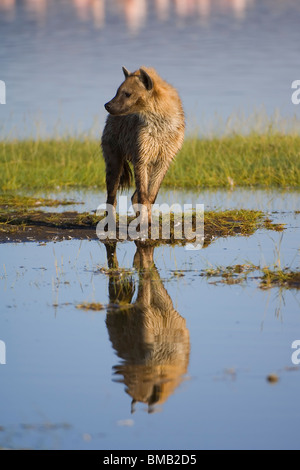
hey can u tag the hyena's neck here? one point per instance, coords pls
(163, 122)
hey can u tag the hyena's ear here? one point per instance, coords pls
(126, 72)
(146, 79)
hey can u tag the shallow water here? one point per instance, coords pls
(199, 381)
(61, 60)
(268, 200)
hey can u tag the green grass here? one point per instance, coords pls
(96, 306)
(268, 276)
(51, 164)
(256, 160)
(277, 277)
(270, 160)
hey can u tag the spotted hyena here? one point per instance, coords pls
(145, 126)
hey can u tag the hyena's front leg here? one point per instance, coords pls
(114, 165)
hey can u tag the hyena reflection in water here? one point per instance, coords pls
(148, 335)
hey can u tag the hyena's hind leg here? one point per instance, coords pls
(114, 167)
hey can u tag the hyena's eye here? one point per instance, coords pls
(127, 94)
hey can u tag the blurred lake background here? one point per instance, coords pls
(230, 59)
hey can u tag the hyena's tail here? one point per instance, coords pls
(126, 176)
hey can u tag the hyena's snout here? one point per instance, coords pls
(118, 106)
(113, 107)
(107, 106)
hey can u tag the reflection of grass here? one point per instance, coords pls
(268, 160)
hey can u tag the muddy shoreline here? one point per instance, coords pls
(25, 225)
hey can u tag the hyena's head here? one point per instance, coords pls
(132, 95)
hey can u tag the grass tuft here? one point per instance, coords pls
(96, 306)
(268, 277)
(280, 278)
